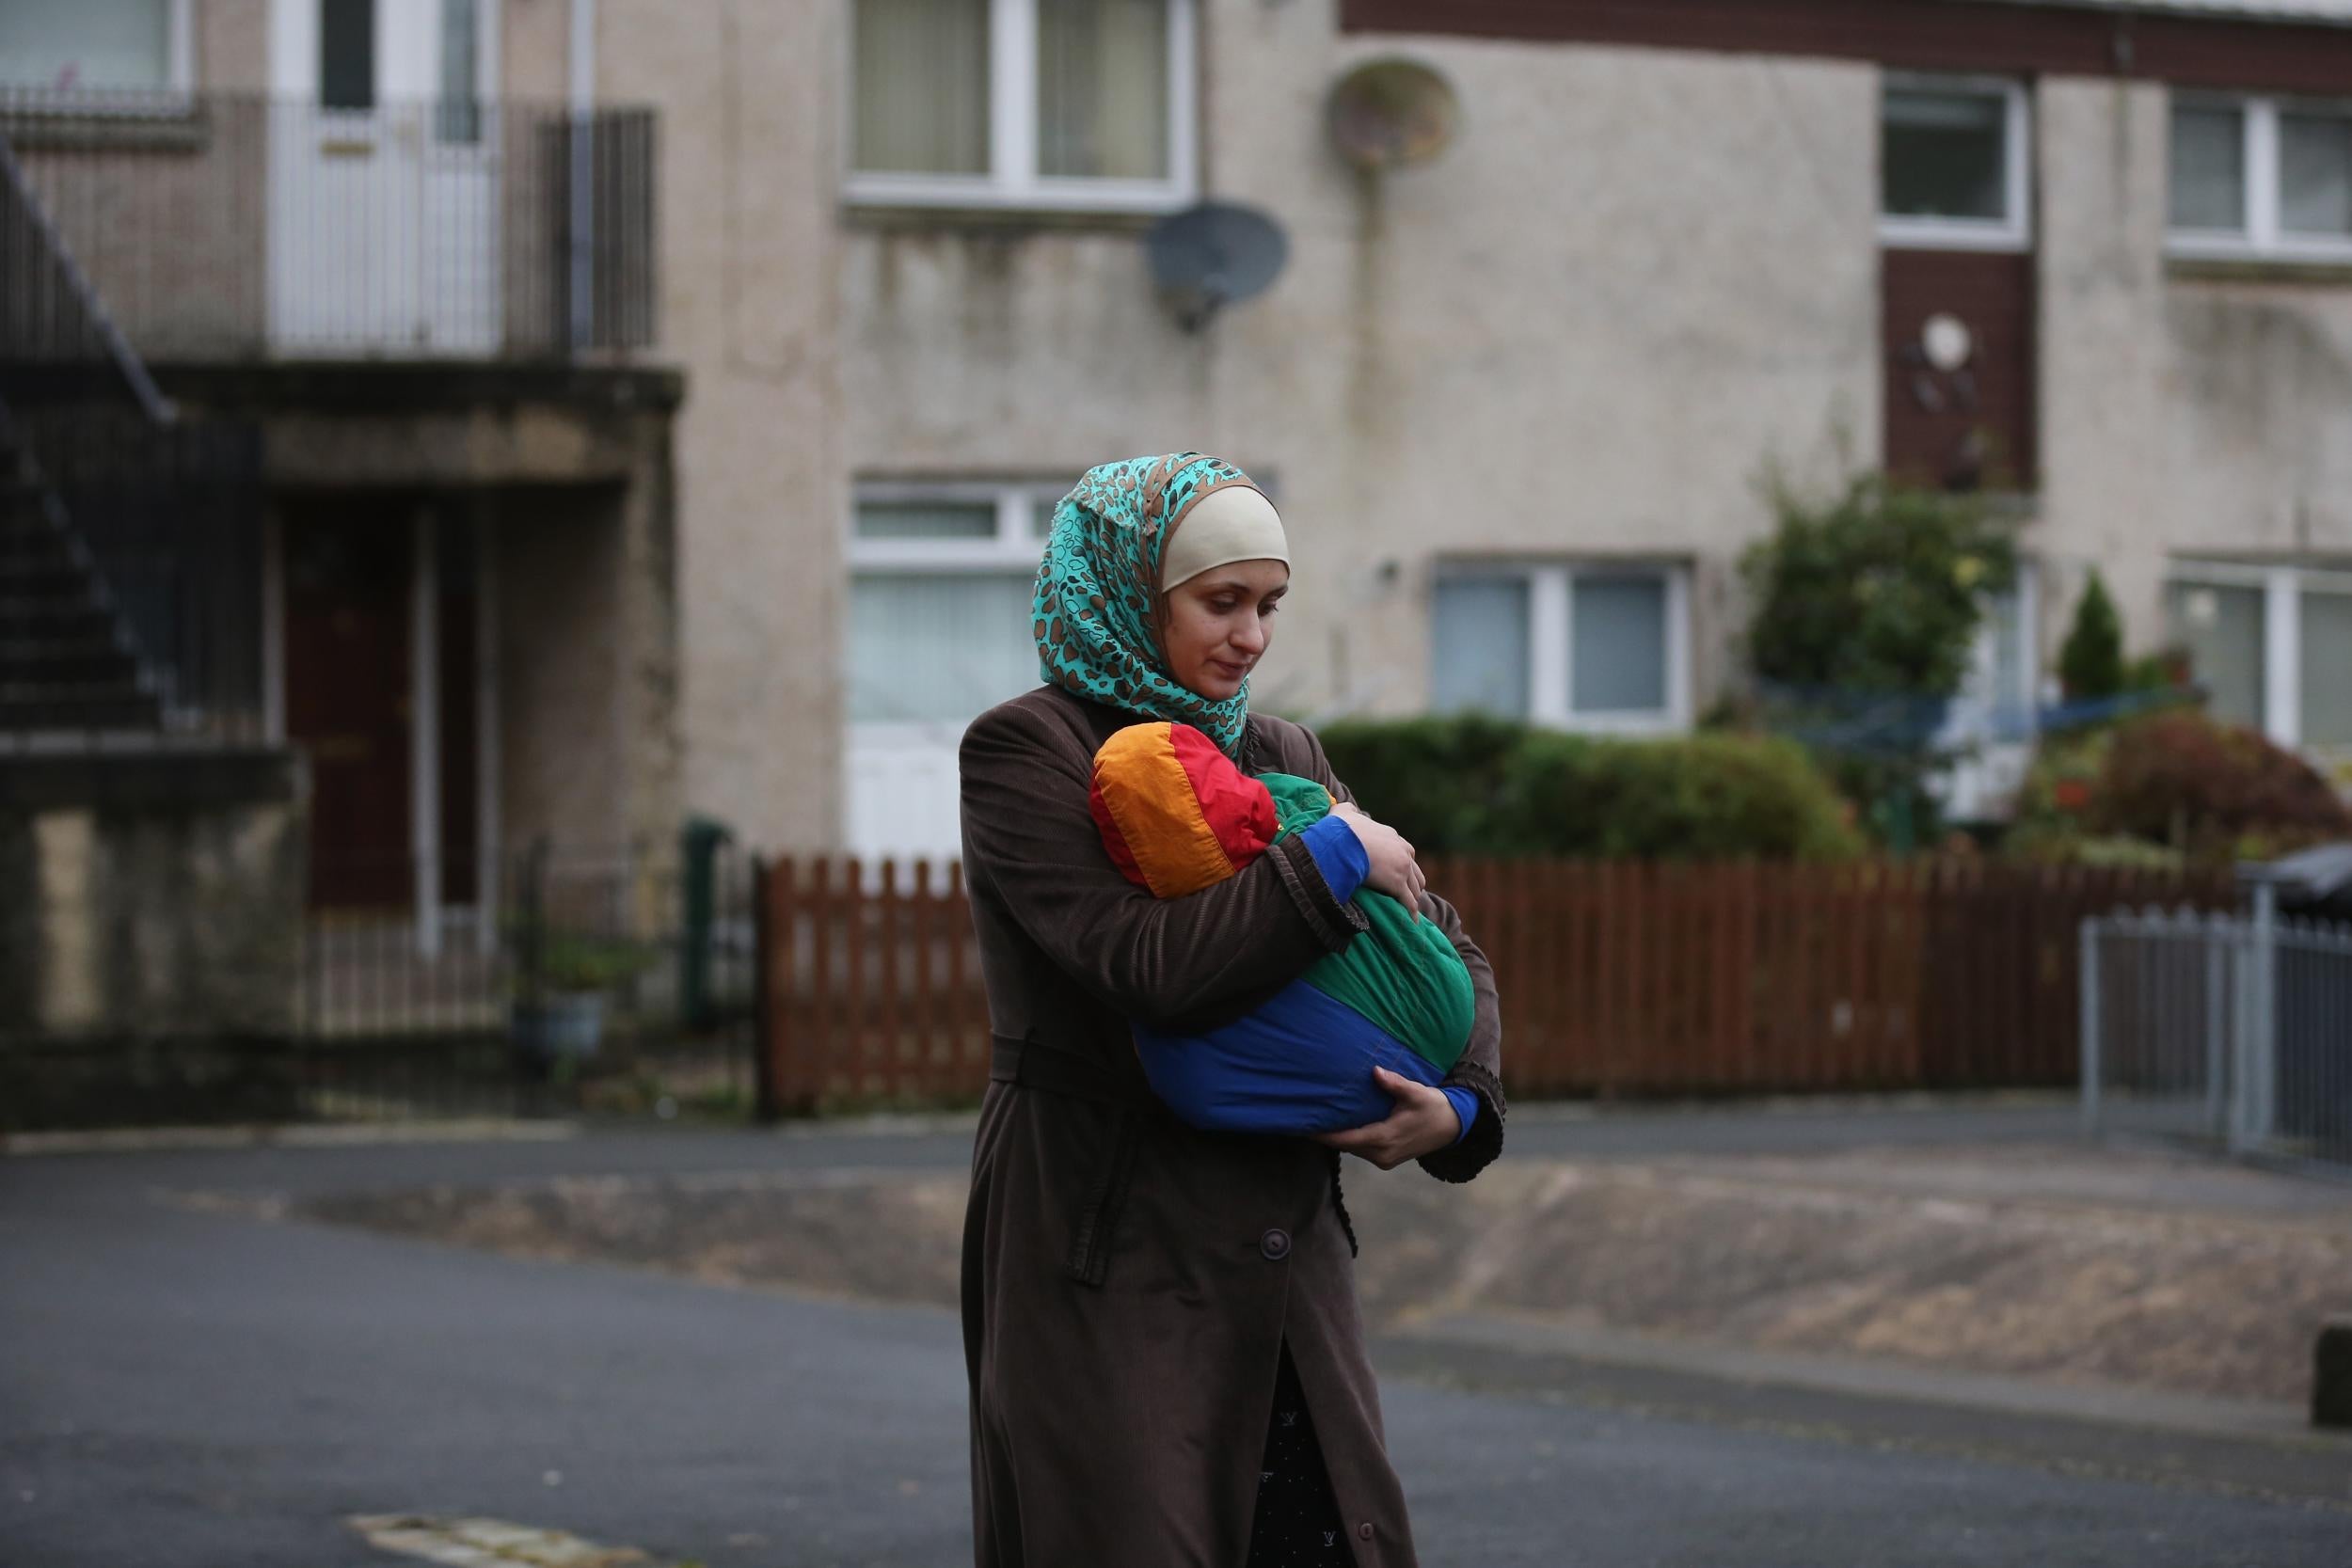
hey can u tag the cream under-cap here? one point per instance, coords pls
(1234, 522)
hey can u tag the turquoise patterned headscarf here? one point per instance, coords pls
(1096, 614)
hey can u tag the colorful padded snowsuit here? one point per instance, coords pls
(1177, 816)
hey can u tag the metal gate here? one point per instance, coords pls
(2232, 1028)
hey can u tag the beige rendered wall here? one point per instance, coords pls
(1582, 330)
(231, 43)
(746, 198)
(1636, 277)
(2184, 410)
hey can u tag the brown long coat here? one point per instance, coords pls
(1128, 1283)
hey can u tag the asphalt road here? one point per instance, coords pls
(183, 1386)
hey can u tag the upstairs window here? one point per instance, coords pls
(1066, 105)
(1953, 164)
(2261, 176)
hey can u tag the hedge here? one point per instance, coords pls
(1485, 786)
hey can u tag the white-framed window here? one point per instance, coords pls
(939, 584)
(86, 52)
(1063, 105)
(1589, 645)
(2260, 176)
(1955, 162)
(2270, 644)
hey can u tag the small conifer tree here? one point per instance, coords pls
(2092, 662)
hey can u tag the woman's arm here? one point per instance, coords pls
(1030, 840)
(1479, 1069)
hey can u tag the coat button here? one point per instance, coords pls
(1275, 1244)
(1363, 1531)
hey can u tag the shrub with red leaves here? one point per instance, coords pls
(2185, 779)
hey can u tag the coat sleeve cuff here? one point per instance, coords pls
(1479, 1147)
(1332, 919)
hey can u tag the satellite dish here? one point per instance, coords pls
(1386, 114)
(1205, 258)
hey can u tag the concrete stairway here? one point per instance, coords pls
(67, 659)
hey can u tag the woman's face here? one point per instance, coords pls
(1219, 624)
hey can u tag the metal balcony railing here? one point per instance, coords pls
(228, 227)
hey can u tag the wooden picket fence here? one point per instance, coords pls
(1617, 978)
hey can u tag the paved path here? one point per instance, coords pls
(190, 1388)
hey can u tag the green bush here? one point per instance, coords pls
(1866, 604)
(1878, 588)
(1439, 782)
(1483, 786)
(2092, 662)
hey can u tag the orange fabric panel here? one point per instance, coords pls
(1143, 789)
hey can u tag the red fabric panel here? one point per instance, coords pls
(1238, 809)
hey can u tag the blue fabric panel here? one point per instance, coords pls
(1302, 1063)
(1339, 855)
(1465, 1106)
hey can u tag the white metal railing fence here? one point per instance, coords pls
(2234, 1027)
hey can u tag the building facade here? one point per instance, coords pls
(334, 428)
(1516, 401)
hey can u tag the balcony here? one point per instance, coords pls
(221, 227)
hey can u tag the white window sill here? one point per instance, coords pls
(1952, 234)
(1055, 197)
(2230, 251)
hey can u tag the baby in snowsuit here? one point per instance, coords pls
(1177, 816)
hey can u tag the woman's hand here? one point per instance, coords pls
(1395, 871)
(1422, 1122)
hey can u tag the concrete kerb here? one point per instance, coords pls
(124, 1140)
(885, 1124)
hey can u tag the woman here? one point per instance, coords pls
(1160, 1325)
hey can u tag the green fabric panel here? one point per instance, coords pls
(1403, 974)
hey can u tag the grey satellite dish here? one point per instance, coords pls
(1386, 114)
(1205, 258)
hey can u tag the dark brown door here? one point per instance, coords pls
(347, 697)
(455, 618)
(1972, 426)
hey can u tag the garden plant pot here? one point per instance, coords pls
(565, 1023)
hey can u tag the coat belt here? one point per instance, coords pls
(1077, 1076)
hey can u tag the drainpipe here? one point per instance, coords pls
(583, 106)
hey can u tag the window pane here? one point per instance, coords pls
(2315, 174)
(2208, 168)
(460, 110)
(2326, 669)
(1945, 155)
(348, 54)
(922, 87)
(1102, 88)
(1478, 643)
(1617, 644)
(937, 648)
(2222, 631)
(65, 44)
(1041, 515)
(926, 520)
